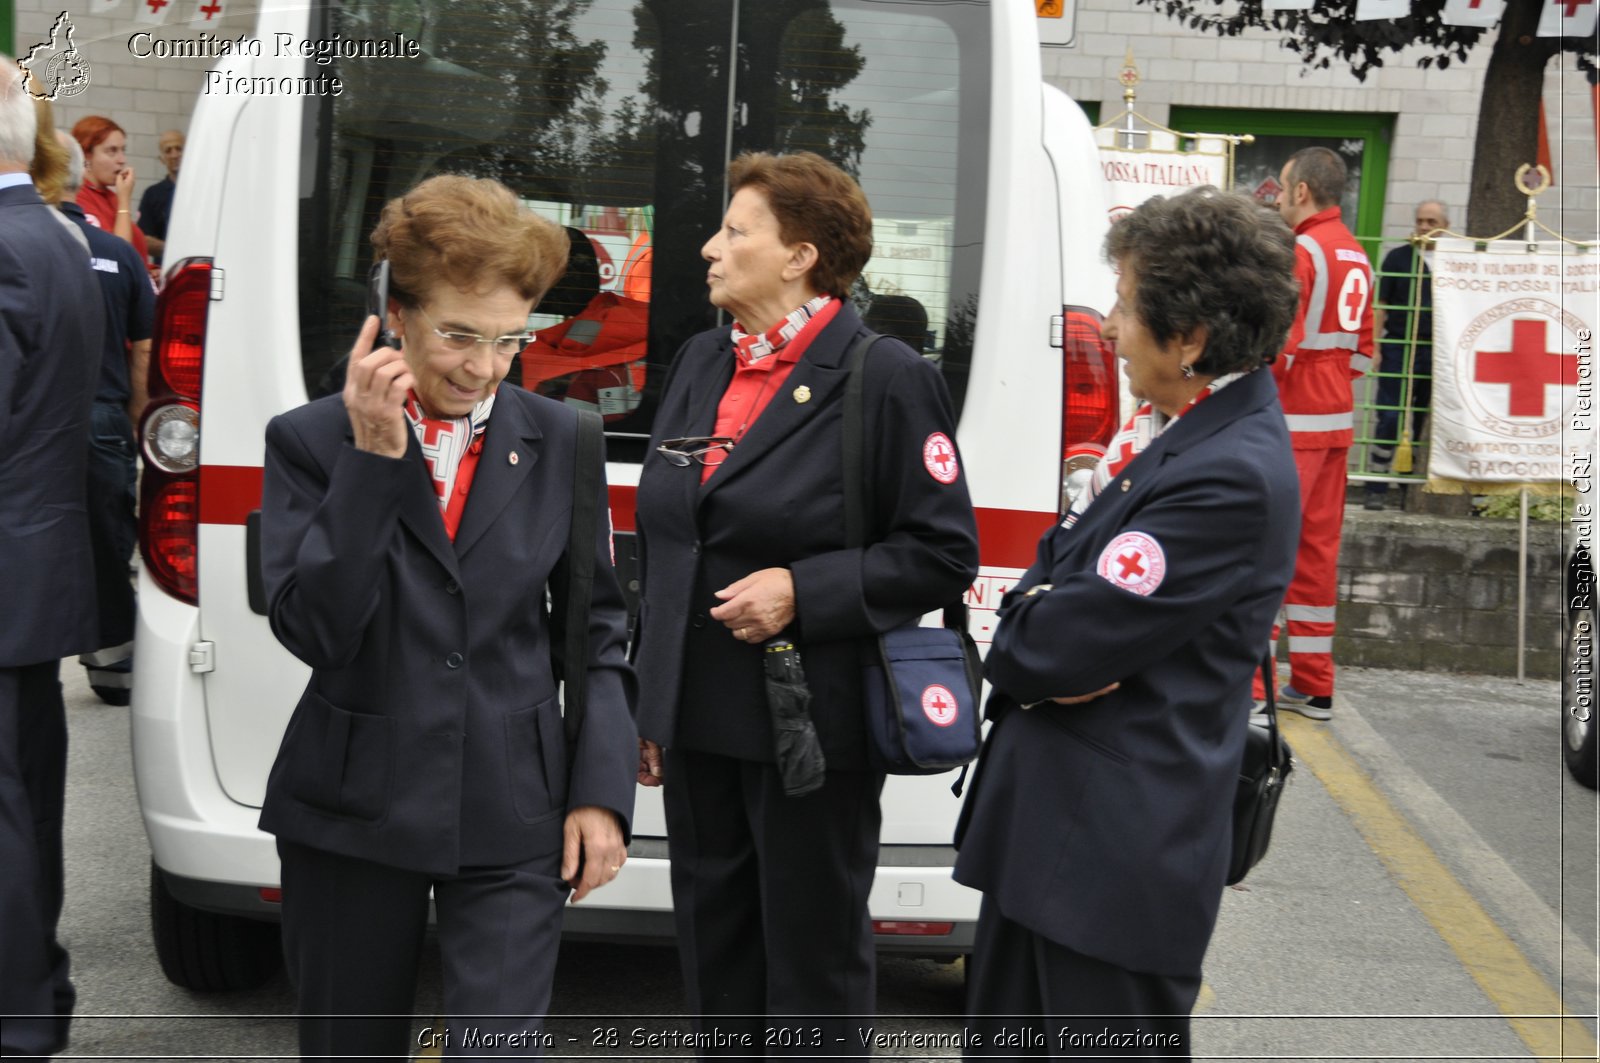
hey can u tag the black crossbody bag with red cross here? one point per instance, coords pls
(921, 684)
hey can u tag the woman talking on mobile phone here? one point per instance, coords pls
(410, 527)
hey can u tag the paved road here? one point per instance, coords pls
(1432, 879)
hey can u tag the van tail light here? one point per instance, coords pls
(1089, 394)
(169, 432)
(1088, 381)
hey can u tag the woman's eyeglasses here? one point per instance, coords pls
(692, 449)
(511, 343)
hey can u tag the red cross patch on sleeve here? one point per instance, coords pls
(1133, 561)
(939, 458)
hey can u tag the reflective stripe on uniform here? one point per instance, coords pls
(1310, 643)
(1320, 422)
(1361, 363)
(1311, 614)
(1315, 339)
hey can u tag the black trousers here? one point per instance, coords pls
(33, 783)
(769, 894)
(1029, 996)
(113, 534)
(352, 938)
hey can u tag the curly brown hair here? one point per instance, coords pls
(470, 232)
(816, 203)
(1211, 258)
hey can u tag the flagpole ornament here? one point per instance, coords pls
(1532, 181)
(1129, 78)
(1537, 184)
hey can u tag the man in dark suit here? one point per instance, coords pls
(51, 324)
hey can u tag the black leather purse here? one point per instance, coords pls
(1267, 762)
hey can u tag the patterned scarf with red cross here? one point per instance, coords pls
(754, 348)
(445, 441)
(1146, 423)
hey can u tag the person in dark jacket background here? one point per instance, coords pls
(51, 327)
(410, 529)
(1099, 822)
(130, 305)
(740, 534)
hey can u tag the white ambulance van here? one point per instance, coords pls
(617, 118)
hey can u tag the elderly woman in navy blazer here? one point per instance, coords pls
(1099, 823)
(740, 522)
(410, 529)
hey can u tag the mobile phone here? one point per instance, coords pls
(378, 302)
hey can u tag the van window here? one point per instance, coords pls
(617, 119)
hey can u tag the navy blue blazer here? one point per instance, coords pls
(1106, 826)
(51, 326)
(777, 502)
(430, 734)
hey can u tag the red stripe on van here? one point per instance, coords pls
(621, 499)
(1009, 538)
(1006, 537)
(228, 493)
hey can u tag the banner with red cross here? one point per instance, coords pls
(1512, 357)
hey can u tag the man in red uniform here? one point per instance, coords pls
(1329, 346)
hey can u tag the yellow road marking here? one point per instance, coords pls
(1531, 1007)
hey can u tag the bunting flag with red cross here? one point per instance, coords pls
(1513, 359)
(1568, 18)
(1481, 13)
(152, 12)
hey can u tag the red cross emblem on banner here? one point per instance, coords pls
(1529, 368)
(939, 705)
(1133, 561)
(939, 458)
(1572, 7)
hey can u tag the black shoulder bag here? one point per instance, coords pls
(920, 684)
(1263, 771)
(580, 572)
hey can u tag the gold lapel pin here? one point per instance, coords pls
(512, 457)
(802, 394)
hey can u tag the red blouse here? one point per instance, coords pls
(101, 205)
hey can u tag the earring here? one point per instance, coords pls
(1188, 372)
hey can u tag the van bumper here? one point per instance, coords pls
(914, 901)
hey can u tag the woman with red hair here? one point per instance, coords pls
(106, 194)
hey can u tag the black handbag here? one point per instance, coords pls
(1267, 762)
(920, 684)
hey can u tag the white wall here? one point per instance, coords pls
(143, 96)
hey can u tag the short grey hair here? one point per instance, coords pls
(18, 125)
(1212, 259)
(69, 144)
(1444, 211)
